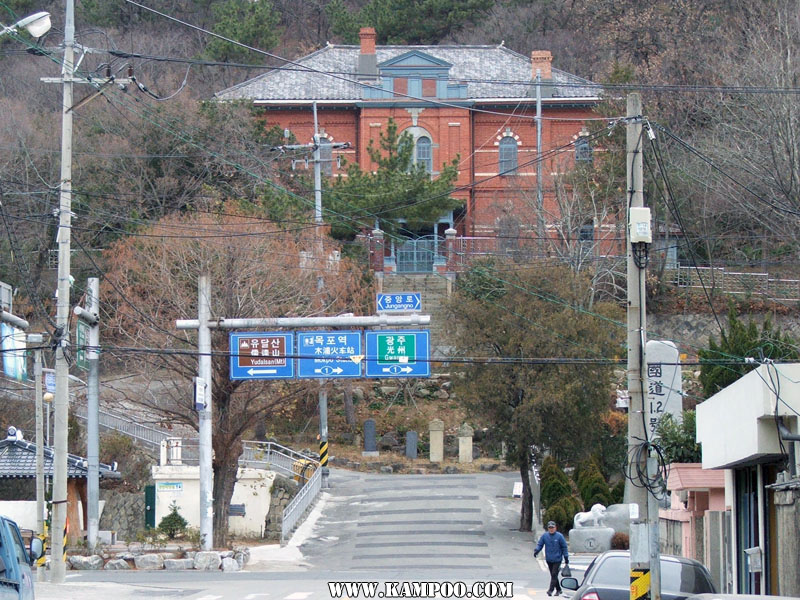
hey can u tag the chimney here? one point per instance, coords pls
(541, 59)
(367, 59)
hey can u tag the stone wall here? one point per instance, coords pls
(283, 490)
(123, 513)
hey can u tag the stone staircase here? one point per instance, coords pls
(434, 289)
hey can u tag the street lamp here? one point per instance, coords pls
(36, 24)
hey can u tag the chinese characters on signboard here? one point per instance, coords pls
(664, 385)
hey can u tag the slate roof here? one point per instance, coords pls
(18, 460)
(487, 71)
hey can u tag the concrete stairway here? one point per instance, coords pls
(434, 289)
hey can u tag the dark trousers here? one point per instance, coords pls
(554, 584)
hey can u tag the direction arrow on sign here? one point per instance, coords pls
(329, 354)
(398, 354)
(262, 355)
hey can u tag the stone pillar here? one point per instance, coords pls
(436, 429)
(465, 443)
(377, 246)
(370, 442)
(411, 444)
(450, 249)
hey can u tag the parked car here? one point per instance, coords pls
(16, 581)
(608, 578)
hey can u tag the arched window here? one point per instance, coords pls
(423, 153)
(508, 156)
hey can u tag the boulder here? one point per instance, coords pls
(86, 563)
(207, 561)
(148, 562)
(117, 564)
(178, 564)
(230, 564)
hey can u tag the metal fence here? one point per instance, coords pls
(268, 456)
(147, 435)
(418, 255)
(735, 282)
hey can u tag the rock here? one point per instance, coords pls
(451, 470)
(117, 564)
(207, 561)
(229, 564)
(226, 554)
(358, 394)
(387, 442)
(489, 467)
(86, 563)
(148, 562)
(442, 394)
(388, 390)
(387, 469)
(178, 564)
(243, 553)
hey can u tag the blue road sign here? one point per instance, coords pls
(399, 302)
(262, 355)
(398, 354)
(329, 354)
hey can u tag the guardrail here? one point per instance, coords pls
(296, 510)
(142, 433)
(737, 283)
(268, 456)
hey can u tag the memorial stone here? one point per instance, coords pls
(411, 444)
(370, 441)
(436, 429)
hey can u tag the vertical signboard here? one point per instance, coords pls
(664, 385)
(81, 342)
(262, 355)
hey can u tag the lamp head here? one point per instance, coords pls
(37, 24)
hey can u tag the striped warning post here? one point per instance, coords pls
(66, 531)
(323, 453)
(42, 536)
(640, 584)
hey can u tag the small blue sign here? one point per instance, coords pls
(399, 302)
(262, 355)
(398, 354)
(329, 354)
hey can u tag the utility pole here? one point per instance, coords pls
(91, 316)
(644, 569)
(59, 518)
(540, 229)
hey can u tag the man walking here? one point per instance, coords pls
(555, 548)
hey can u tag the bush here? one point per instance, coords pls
(618, 492)
(620, 541)
(563, 512)
(173, 524)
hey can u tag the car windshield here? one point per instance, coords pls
(675, 576)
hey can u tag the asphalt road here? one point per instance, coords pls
(395, 531)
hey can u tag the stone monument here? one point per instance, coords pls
(436, 429)
(589, 532)
(465, 443)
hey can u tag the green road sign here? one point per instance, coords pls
(396, 348)
(82, 340)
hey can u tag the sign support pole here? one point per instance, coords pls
(205, 414)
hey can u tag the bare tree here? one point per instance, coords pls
(256, 271)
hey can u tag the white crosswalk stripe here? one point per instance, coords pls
(298, 596)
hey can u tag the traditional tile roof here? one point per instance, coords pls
(490, 72)
(18, 460)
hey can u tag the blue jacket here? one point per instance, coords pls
(555, 547)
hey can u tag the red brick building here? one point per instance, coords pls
(475, 102)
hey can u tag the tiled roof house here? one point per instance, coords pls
(474, 102)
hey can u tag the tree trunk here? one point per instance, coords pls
(526, 511)
(226, 465)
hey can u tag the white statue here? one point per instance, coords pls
(593, 518)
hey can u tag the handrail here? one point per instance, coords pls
(300, 504)
(142, 433)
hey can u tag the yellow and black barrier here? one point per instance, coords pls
(323, 453)
(640, 584)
